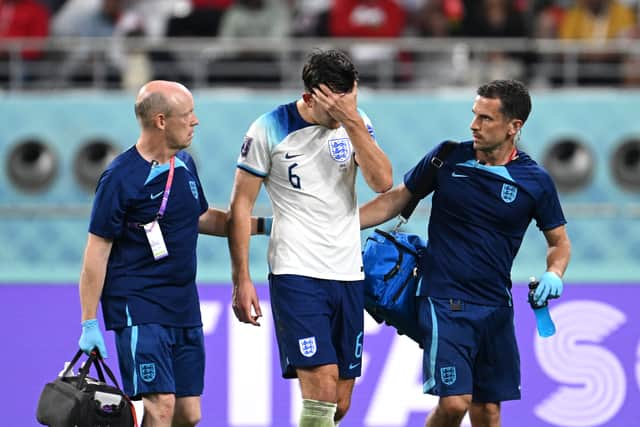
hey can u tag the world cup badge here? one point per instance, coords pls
(246, 145)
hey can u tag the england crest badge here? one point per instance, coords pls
(194, 189)
(340, 149)
(147, 372)
(509, 193)
(308, 346)
(448, 374)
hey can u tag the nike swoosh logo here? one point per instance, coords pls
(459, 175)
(155, 196)
(353, 365)
(291, 156)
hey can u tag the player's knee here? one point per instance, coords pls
(319, 383)
(187, 412)
(485, 414)
(160, 407)
(454, 406)
(189, 419)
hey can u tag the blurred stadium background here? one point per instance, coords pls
(69, 72)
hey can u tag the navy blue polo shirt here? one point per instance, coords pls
(138, 289)
(478, 219)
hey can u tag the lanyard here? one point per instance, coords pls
(514, 154)
(165, 197)
(167, 189)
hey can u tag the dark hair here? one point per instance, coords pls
(331, 67)
(513, 95)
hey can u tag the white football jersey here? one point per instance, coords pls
(309, 173)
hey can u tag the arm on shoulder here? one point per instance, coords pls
(215, 222)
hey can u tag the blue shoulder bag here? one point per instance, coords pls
(392, 264)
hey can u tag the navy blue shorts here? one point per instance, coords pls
(318, 322)
(469, 349)
(159, 359)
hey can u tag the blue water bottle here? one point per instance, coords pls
(544, 323)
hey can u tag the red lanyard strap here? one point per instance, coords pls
(514, 154)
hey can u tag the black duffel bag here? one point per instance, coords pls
(83, 401)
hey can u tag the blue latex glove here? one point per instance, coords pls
(268, 222)
(550, 286)
(92, 337)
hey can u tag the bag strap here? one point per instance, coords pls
(100, 365)
(71, 364)
(108, 371)
(96, 360)
(436, 163)
(98, 369)
(83, 372)
(401, 249)
(392, 239)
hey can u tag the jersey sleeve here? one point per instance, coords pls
(548, 211)
(368, 124)
(109, 206)
(255, 153)
(419, 172)
(191, 165)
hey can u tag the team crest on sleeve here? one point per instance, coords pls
(194, 189)
(340, 149)
(246, 145)
(308, 346)
(448, 375)
(147, 372)
(508, 193)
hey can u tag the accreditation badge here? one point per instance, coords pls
(156, 241)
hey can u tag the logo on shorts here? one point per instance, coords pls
(448, 375)
(308, 346)
(194, 189)
(147, 372)
(509, 193)
(340, 149)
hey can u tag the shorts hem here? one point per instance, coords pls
(501, 399)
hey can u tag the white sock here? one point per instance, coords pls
(316, 413)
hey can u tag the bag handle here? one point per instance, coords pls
(96, 359)
(401, 249)
(100, 364)
(100, 361)
(437, 161)
(395, 242)
(71, 364)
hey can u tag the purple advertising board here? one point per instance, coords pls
(588, 374)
